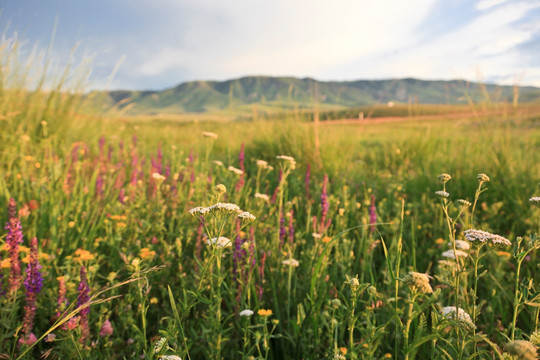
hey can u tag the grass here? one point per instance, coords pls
(113, 195)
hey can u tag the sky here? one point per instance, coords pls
(157, 44)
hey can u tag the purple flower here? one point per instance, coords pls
(84, 297)
(307, 180)
(106, 329)
(282, 230)
(99, 185)
(291, 227)
(33, 284)
(13, 239)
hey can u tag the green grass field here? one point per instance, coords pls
(333, 266)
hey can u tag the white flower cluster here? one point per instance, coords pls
(262, 164)
(483, 236)
(291, 262)
(442, 194)
(218, 163)
(535, 200)
(209, 134)
(450, 254)
(220, 242)
(224, 207)
(244, 215)
(464, 202)
(262, 197)
(482, 178)
(235, 170)
(288, 159)
(246, 312)
(445, 177)
(462, 315)
(461, 245)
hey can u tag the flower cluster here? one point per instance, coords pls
(220, 242)
(451, 255)
(444, 178)
(442, 194)
(459, 315)
(535, 200)
(418, 281)
(291, 262)
(483, 236)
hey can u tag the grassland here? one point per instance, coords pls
(332, 267)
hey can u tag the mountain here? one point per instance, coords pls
(266, 93)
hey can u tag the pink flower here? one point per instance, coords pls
(106, 329)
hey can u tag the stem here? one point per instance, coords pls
(516, 300)
(408, 326)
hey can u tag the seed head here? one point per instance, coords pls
(444, 178)
(522, 349)
(220, 189)
(418, 281)
(483, 178)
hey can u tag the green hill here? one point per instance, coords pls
(293, 93)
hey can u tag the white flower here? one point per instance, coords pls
(288, 159)
(442, 194)
(291, 262)
(450, 254)
(461, 245)
(170, 357)
(316, 236)
(218, 163)
(262, 196)
(199, 210)
(445, 177)
(464, 202)
(235, 170)
(262, 164)
(535, 200)
(209, 134)
(483, 236)
(246, 216)
(450, 312)
(158, 176)
(228, 207)
(220, 242)
(246, 313)
(482, 178)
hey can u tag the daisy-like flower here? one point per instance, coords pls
(462, 315)
(264, 312)
(291, 262)
(221, 242)
(246, 216)
(262, 197)
(444, 178)
(483, 178)
(418, 281)
(235, 170)
(246, 313)
(461, 245)
(474, 235)
(450, 254)
(442, 194)
(535, 200)
(209, 134)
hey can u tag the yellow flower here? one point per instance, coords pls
(439, 241)
(5, 264)
(23, 248)
(326, 239)
(504, 253)
(154, 300)
(365, 345)
(37, 165)
(343, 350)
(264, 312)
(71, 224)
(146, 253)
(387, 356)
(44, 256)
(121, 225)
(84, 255)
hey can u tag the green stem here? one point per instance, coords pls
(516, 300)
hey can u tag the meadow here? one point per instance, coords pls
(268, 239)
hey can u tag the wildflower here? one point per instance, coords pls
(291, 262)
(83, 299)
(209, 134)
(439, 241)
(474, 235)
(262, 164)
(482, 178)
(464, 202)
(442, 194)
(199, 211)
(461, 245)
(325, 205)
(262, 197)
(264, 312)
(220, 242)
(220, 189)
(158, 177)
(444, 178)
(246, 216)
(28, 339)
(450, 254)
(14, 237)
(447, 263)
(353, 283)
(522, 349)
(83, 255)
(146, 253)
(503, 253)
(535, 200)
(326, 239)
(33, 284)
(336, 303)
(343, 350)
(246, 313)
(62, 299)
(71, 224)
(170, 357)
(338, 356)
(225, 207)
(316, 236)
(154, 300)
(50, 337)
(235, 170)
(372, 214)
(418, 281)
(106, 329)
(218, 163)
(462, 316)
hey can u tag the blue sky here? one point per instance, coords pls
(160, 43)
